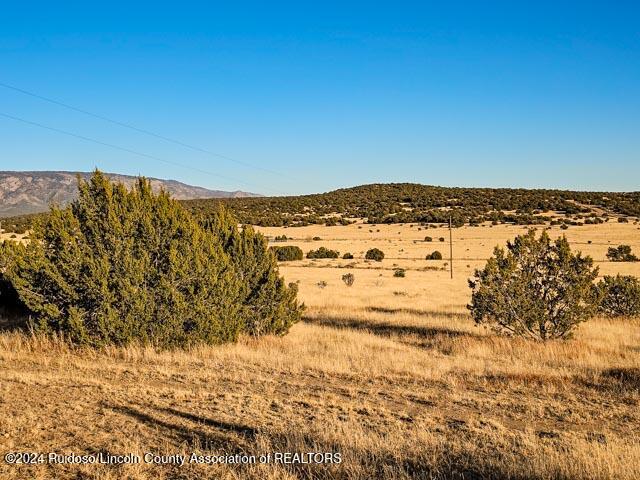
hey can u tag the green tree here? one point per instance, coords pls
(537, 289)
(621, 253)
(269, 306)
(323, 252)
(619, 296)
(287, 253)
(119, 265)
(374, 254)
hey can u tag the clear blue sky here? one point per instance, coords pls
(329, 94)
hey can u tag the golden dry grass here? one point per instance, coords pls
(390, 372)
(15, 237)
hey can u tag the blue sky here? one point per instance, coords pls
(329, 94)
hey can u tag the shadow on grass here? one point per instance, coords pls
(421, 313)
(217, 437)
(623, 381)
(416, 335)
(626, 378)
(208, 433)
(13, 319)
(14, 315)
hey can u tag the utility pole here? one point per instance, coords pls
(450, 248)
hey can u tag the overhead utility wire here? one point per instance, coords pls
(140, 130)
(124, 149)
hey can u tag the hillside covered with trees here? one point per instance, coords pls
(409, 202)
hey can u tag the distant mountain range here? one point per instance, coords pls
(32, 192)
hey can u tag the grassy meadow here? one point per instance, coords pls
(390, 372)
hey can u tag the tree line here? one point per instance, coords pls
(413, 203)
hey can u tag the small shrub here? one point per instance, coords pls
(537, 289)
(428, 239)
(374, 254)
(287, 253)
(348, 279)
(399, 273)
(434, 256)
(441, 239)
(619, 296)
(621, 254)
(316, 239)
(347, 256)
(280, 238)
(321, 284)
(323, 252)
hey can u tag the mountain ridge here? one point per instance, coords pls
(27, 192)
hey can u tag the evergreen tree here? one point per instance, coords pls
(537, 289)
(119, 265)
(619, 296)
(269, 305)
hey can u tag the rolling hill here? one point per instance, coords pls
(410, 202)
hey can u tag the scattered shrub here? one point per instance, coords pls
(348, 279)
(323, 252)
(619, 296)
(287, 253)
(374, 254)
(347, 256)
(538, 289)
(399, 272)
(621, 254)
(434, 256)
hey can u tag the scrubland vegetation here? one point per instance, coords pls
(406, 202)
(621, 254)
(389, 369)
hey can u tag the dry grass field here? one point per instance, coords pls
(390, 372)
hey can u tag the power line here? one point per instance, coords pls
(139, 130)
(124, 149)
